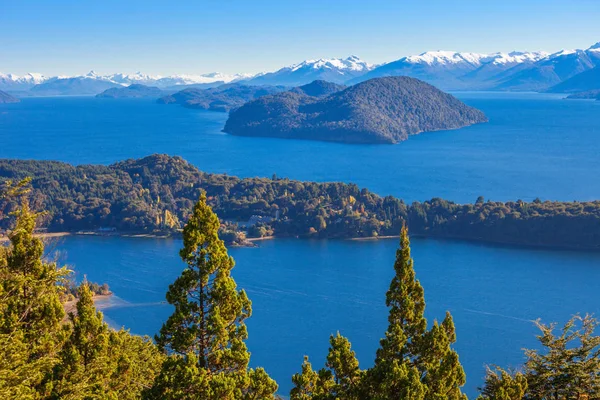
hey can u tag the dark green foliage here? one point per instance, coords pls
(380, 110)
(157, 193)
(222, 98)
(205, 336)
(131, 91)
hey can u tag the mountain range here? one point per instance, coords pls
(448, 70)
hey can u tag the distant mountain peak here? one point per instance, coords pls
(595, 47)
(445, 57)
(352, 63)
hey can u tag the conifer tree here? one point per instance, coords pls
(412, 362)
(502, 385)
(310, 384)
(90, 334)
(30, 308)
(205, 335)
(344, 367)
(32, 302)
(339, 380)
(569, 365)
(443, 374)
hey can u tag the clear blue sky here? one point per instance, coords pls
(166, 37)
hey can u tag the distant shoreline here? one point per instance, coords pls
(71, 305)
(251, 241)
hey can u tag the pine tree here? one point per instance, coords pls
(412, 362)
(32, 302)
(312, 385)
(30, 308)
(207, 326)
(84, 358)
(503, 385)
(569, 365)
(443, 374)
(339, 380)
(344, 367)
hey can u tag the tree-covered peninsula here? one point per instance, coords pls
(200, 351)
(157, 193)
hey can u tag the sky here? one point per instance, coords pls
(250, 36)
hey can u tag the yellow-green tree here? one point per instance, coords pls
(413, 362)
(205, 336)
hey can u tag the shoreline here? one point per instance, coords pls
(71, 306)
(251, 241)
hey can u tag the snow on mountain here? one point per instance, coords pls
(515, 57)
(20, 82)
(336, 70)
(441, 57)
(352, 63)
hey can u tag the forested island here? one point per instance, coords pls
(380, 110)
(154, 195)
(132, 91)
(222, 98)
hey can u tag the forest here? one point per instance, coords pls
(156, 194)
(200, 351)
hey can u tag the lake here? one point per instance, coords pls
(304, 290)
(535, 145)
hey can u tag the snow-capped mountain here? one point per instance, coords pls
(451, 70)
(552, 70)
(336, 70)
(20, 82)
(454, 70)
(93, 80)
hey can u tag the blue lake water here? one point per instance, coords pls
(303, 291)
(534, 146)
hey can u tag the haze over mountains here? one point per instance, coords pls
(448, 70)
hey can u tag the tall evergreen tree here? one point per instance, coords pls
(30, 308)
(32, 303)
(207, 330)
(412, 362)
(342, 362)
(339, 380)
